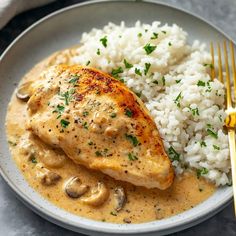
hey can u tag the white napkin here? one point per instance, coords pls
(9, 8)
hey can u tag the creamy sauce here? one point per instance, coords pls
(142, 204)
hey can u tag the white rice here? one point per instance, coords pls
(182, 66)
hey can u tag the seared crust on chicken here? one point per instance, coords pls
(99, 123)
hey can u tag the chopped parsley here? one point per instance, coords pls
(220, 118)
(59, 109)
(163, 31)
(147, 67)
(202, 171)
(138, 72)
(177, 99)
(98, 154)
(117, 71)
(208, 65)
(194, 111)
(149, 48)
(155, 36)
(128, 112)
(140, 35)
(201, 83)
(127, 64)
(98, 52)
(139, 94)
(101, 153)
(85, 113)
(74, 80)
(216, 147)
(163, 80)
(212, 133)
(113, 213)
(132, 157)
(105, 151)
(208, 87)
(12, 143)
(64, 123)
(170, 44)
(132, 139)
(33, 159)
(104, 41)
(88, 62)
(113, 115)
(85, 125)
(155, 82)
(174, 156)
(120, 79)
(177, 81)
(202, 144)
(67, 96)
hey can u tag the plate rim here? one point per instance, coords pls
(45, 213)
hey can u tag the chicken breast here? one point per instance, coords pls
(99, 123)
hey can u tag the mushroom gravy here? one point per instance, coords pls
(86, 192)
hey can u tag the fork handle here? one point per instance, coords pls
(232, 148)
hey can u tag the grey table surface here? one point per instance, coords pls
(16, 219)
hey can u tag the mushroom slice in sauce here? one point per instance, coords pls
(120, 198)
(46, 176)
(99, 195)
(24, 91)
(74, 188)
(127, 220)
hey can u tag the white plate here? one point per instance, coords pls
(63, 29)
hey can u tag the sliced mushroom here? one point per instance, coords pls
(74, 188)
(120, 198)
(99, 195)
(127, 220)
(24, 91)
(46, 176)
(50, 178)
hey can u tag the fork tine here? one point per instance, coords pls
(229, 102)
(219, 64)
(212, 62)
(231, 116)
(233, 66)
(231, 132)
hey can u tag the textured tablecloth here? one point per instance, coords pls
(16, 219)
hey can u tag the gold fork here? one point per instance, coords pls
(230, 121)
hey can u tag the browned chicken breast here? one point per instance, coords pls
(99, 123)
